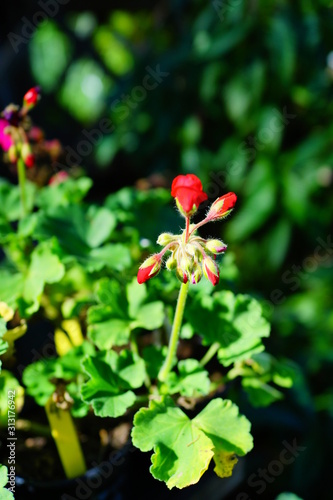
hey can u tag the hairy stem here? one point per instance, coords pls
(210, 353)
(177, 323)
(187, 231)
(21, 179)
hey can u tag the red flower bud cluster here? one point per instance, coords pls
(191, 256)
(14, 138)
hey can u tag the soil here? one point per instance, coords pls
(37, 456)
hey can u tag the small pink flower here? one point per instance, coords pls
(5, 139)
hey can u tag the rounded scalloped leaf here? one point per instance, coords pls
(183, 448)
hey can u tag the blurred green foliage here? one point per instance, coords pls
(244, 101)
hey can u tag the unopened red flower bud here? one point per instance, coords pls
(216, 246)
(181, 275)
(59, 178)
(171, 263)
(27, 156)
(196, 275)
(211, 271)
(149, 268)
(31, 97)
(12, 154)
(222, 206)
(186, 263)
(165, 239)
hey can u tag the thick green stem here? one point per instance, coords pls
(210, 353)
(21, 179)
(177, 323)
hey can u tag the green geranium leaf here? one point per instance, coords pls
(37, 376)
(65, 193)
(70, 363)
(136, 296)
(11, 287)
(235, 321)
(112, 377)
(284, 373)
(77, 227)
(10, 199)
(3, 347)
(150, 316)
(3, 326)
(110, 294)
(101, 222)
(45, 267)
(192, 381)
(4, 493)
(111, 321)
(281, 372)
(114, 331)
(288, 496)
(141, 209)
(6, 231)
(9, 383)
(27, 225)
(80, 408)
(80, 231)
(3, 344)
(260, 370)
(114, 256)
(154, 357)
(183, 448)
(260, 393)
(186, 331)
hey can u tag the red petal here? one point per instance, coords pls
(229, 201)
(188, 191)
(143, 274)
(189, 180)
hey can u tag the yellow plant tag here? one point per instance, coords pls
(68, 336)
(62, 342)
(73, 328)
(66, 439)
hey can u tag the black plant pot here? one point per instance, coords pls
(102, 482)
(125, 478)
